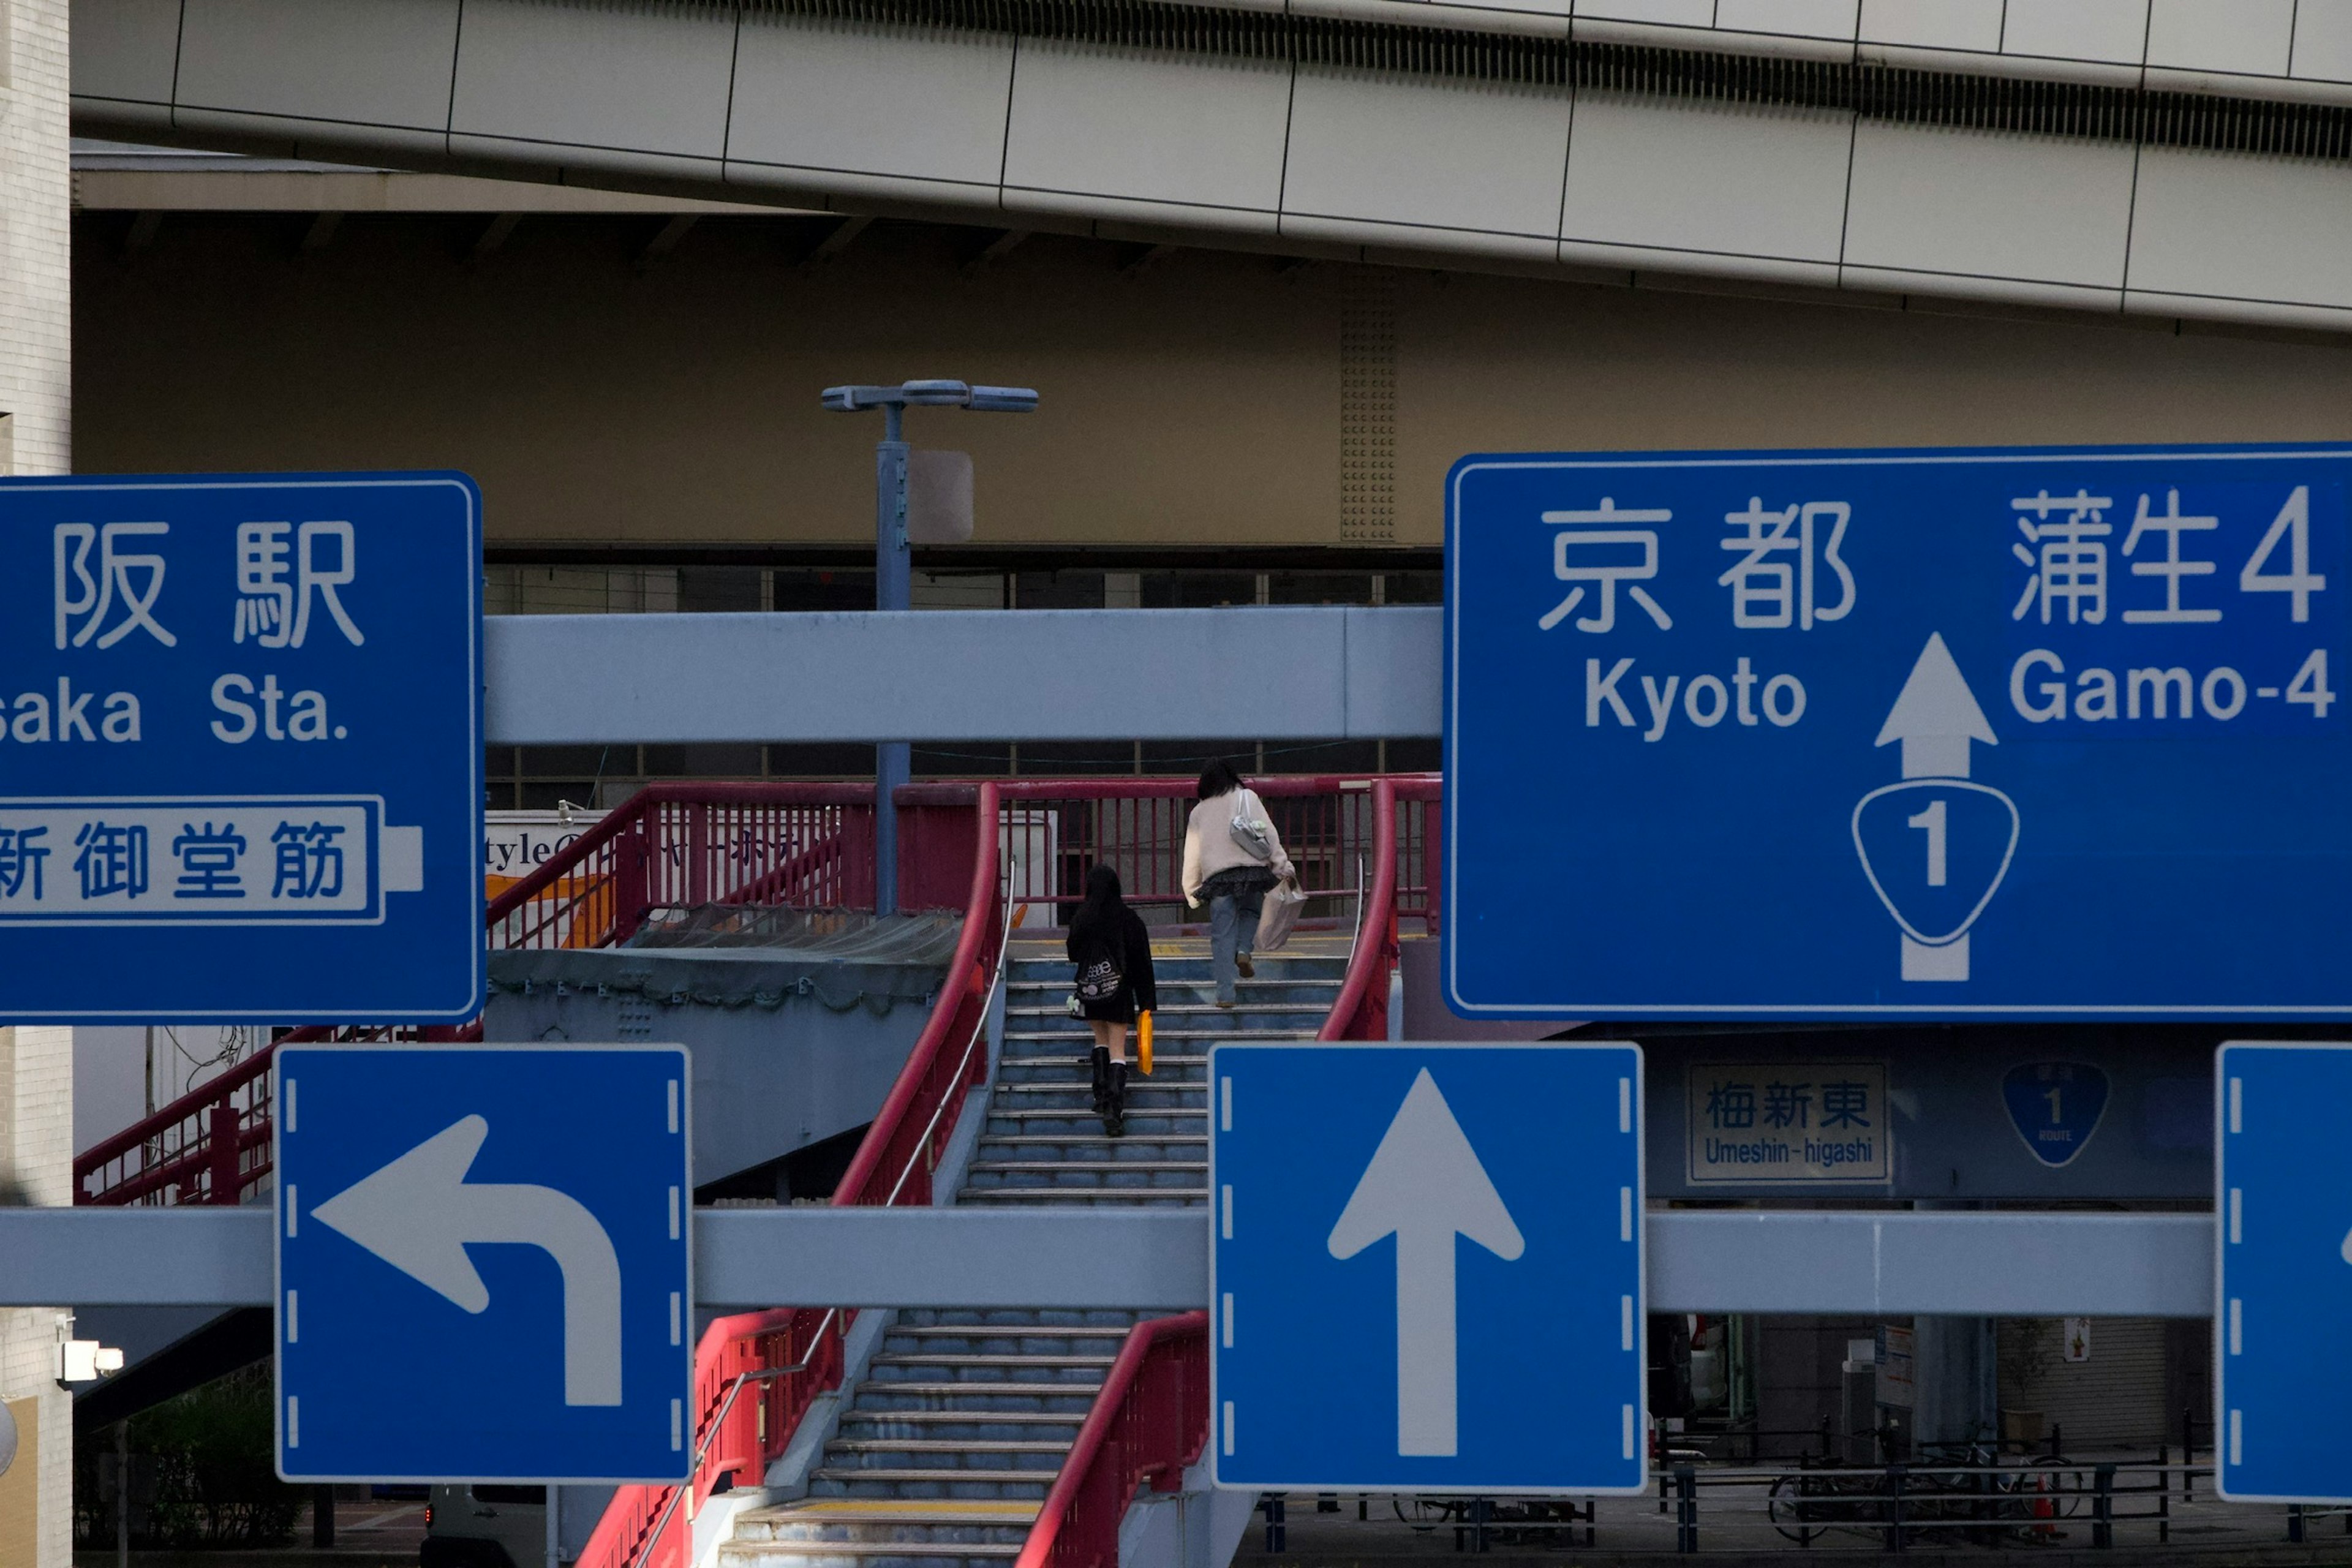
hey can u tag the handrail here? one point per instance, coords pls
(979, 911)
(962, 999)
(192, 1157)
(710, 1436)
(1077, 1525)
(612, 824)
(1375, 953)
(151, 1126)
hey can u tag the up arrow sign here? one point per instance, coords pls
(1936, 716)
(1425, 1186)
(419, 1214)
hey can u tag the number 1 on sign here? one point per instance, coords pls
(1932, 821)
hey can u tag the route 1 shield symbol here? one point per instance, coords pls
(2055, 1107)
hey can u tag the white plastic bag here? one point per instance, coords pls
(1278, 914)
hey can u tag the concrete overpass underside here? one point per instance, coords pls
(2180, 168)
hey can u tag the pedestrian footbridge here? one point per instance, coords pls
(825, 1432)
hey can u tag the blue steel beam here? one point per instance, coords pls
(1266, 671)
(1892, 1264)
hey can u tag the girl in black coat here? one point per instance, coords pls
(1113, 955)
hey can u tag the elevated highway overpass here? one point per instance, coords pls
(2148, 156)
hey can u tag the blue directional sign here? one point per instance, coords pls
(2284, 1274)
(483, 1263)
(241, 749)
(1934, 735)
(1432, 1279)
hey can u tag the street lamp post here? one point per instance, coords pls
(893, 563)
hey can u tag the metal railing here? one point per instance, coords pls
(1898, 1507)
(672, 846)
(799, 1352)
(1150, 1422)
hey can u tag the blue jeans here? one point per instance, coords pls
(1233, 928)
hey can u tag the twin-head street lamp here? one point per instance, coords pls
(893, 564)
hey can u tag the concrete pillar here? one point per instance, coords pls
(1957, 1380)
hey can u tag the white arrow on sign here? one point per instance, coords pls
(419, 1214)
(1425, 1186)
(1936, 716)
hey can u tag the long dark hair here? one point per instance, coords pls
(1218, 778)
(1098, 917)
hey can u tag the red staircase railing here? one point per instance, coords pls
(1404, 873)
(673, 846)
(1149, 1423)
(794, 1355)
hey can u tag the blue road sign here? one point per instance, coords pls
(2284, 1274)
(483, 1263)
(1426, 1270)
(241, 749)
(1941, 735)
(2055, 1107)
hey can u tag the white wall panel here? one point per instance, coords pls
(1432, 153)
(1671, 13)
(1718, 177)
(2226, 225)
(2323, 40)
(1152, 127)
(1989, 205)
(2248, 36)
(1793, 18)
(650, 79)
(2076, 29)
(808, 91)
(125, 48)
(384, 63)
(1933, 23)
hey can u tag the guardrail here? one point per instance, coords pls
(1897, 1506)
(1149, 1423)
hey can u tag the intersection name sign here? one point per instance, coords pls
(1434, 1282)
(2024, 733)
(484, 1263)
(241, 749)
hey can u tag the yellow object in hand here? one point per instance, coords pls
(1143, 1043)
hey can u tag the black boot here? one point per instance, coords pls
(1101, 1062)
(1115, 1109)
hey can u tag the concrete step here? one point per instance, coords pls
(1088, 1141)
(1159, 1089)
(823, 1554)
(994, 1394)
(933, 1481)
(973, 1418)
(1088, 1167)
(1149, 1197)
(1032, 1117)
(978, 1446)
(1019, 1331)
(1191, 1009)
(950, 1358)
(1015, 1316)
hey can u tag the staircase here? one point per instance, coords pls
(965, 1417)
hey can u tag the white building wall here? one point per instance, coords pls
(36, 1153)
(35, 391)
